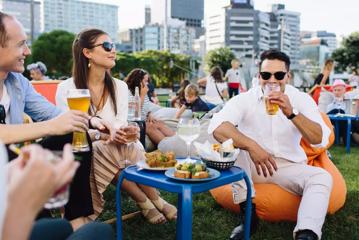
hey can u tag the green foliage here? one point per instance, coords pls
(157, 63)
(221, 57)
(54, 49)
(347, 55)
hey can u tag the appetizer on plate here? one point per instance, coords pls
(157, 159)
(191, 170)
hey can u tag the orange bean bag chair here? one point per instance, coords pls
(273, 203)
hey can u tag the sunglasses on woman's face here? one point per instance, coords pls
(277, 75)
(107, 46)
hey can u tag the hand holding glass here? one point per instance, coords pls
(132, 131)
(271, 108)
(188, 129)
(79, 99)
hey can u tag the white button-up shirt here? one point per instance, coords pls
(274, 133)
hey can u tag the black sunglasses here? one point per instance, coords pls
(107, 46)
(2, 114)
(268, 75)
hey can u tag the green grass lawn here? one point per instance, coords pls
(210, 221)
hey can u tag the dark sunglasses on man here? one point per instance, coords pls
(107, 46)
(2, 114)
(277, 75)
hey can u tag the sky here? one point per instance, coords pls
(340, 17)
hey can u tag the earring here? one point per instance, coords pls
(89, 65)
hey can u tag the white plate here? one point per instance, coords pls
(143, 165)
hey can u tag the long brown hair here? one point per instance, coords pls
(80, 70)
(134, 79)
(217, 74)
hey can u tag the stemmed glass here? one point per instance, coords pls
(188, 129)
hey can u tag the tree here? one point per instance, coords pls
(54, 49)
(221, 57)
(347, 56)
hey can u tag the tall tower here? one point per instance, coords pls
(147, 15)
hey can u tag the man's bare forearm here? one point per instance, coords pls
(227, 130)
(311, 131)
(23, 132)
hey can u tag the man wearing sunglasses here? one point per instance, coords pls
(271, 151)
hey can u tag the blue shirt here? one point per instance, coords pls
(25, 99)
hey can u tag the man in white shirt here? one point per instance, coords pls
(270, 144)
(235, 81)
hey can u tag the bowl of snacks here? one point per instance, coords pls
(218, 156)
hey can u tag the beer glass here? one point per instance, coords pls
(79, 99)
(271, 108)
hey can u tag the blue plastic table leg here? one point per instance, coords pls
(184, 218)
(336, 128)
(349, 126)
(118, 206)
(247, 223)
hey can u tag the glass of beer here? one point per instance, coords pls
(79, 99)
(271, 108)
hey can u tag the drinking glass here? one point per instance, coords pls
(79, 99)
(61, 196)
(271, 108)
(188, 129)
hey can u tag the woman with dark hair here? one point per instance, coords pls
(216, 88)
(180, 99)
(94, 55)
(156, 130)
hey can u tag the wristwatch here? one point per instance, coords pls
(294, 114)
(97, 135)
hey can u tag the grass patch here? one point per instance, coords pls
(210, 221)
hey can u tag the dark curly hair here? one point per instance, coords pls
(217, 74)
(134, 79)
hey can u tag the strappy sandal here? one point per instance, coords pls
(167, 209)
(150, 212)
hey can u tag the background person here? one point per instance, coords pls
(216, 88)
(179, 99)
(323, 77)
(37, 71)
(193, 101)
(236, 83)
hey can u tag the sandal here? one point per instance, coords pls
(167, 209)
(150, 212)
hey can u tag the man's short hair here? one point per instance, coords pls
(3, 35)
(191, 90)
(234, 60)
(273, 54)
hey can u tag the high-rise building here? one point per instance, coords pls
(289, 23)
(76, 15)
(147, 15)
(21, 9)
(237, 25)
(151, 37)
(329, 38)
(189, 11)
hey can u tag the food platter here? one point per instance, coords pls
(143, 165)
(213, 174)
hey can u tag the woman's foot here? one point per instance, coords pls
(150, 212)
(167, 209)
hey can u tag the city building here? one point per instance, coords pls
(189, 11)
(328, 37)
(21, 9)
(289, 23)
(151, 37)
(76, 15)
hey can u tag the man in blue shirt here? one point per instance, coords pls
(17, 96)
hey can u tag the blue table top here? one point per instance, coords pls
(342, 117)
(159, 180)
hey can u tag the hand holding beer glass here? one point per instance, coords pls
(271, 108)
(79, 99)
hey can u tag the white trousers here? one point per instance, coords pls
(314, 184)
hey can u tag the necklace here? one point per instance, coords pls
(97, 107)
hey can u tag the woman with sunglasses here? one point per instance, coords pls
(156, 130)
(93, 57)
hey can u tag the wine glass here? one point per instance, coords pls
(188, 129)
